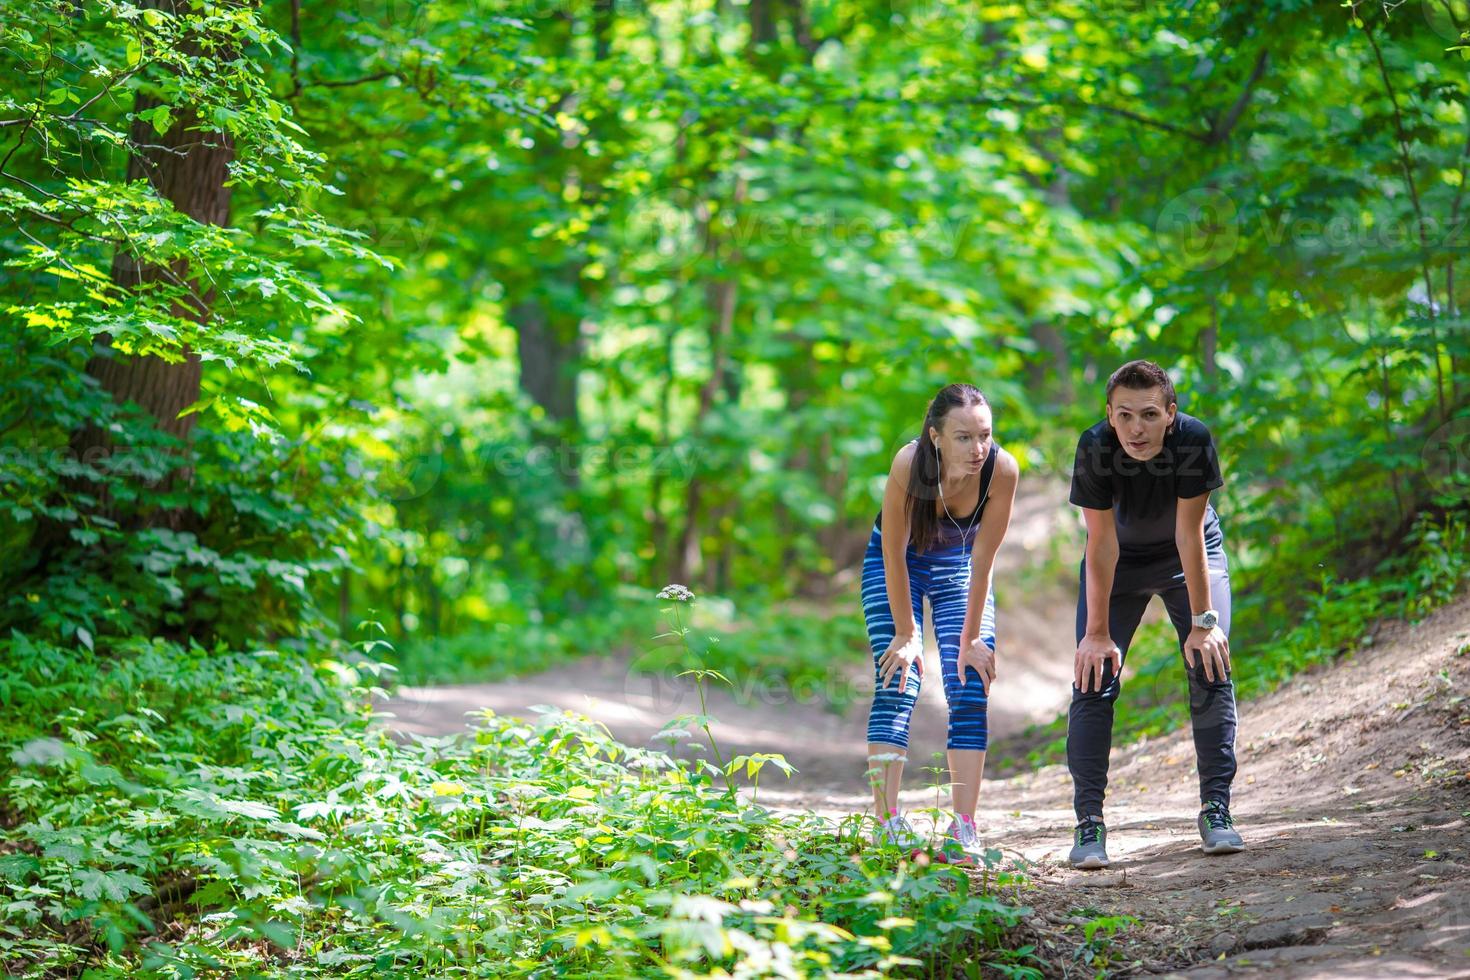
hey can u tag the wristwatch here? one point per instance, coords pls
(1206, 620)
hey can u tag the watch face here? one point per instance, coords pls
(1208, 620)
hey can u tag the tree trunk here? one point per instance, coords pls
(1053, 372)
(188, 168)
(762, 25)
(344, 602)
(549, 360)
(602, 27)
(658, 523)
(720, 297)
(1209, 347)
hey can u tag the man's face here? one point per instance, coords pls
(1140, 417)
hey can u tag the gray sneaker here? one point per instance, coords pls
(1217, 830)
(1090, 844)
(896, 832)
(961, 844)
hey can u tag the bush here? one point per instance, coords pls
(175, 809)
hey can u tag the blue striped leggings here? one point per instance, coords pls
(944, 576)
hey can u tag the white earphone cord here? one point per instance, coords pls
(939, 482)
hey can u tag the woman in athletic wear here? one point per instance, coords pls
(946, 508)
(1143, 478)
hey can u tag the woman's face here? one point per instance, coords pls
(964, 441)
(1140, 418)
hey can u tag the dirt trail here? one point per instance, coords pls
(1353, 796)
(1035, 637)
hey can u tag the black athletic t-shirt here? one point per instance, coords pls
(1143, 495)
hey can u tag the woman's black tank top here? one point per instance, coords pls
(947, 535)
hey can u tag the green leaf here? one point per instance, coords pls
(86, 537)
(161, 117)
(249, 808)
(40, 752)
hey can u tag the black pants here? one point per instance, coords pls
(1211, 704)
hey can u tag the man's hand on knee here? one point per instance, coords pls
(1093, 653)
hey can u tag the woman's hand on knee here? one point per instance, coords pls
(976, 653)
(901, 652)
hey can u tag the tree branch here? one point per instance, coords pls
(348, 82)
(1408, 168)
(1224, 125)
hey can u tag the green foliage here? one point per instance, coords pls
(501, 314)
(179, 809)
(511, 648)
(1024, 205)
(261, 522)
(206, 65)
(1432, 568)
(1098, 936)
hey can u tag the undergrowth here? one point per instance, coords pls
(177, 810)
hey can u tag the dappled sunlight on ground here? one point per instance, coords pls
(1352, 797)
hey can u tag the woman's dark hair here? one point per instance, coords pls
(924, 473)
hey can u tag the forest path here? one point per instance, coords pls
(1353, 796)
(1034, 649)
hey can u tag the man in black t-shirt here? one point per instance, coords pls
(1143, 479)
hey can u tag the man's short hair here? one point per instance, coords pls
(1140, 376)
